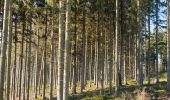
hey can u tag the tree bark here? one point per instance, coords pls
(82, 68)
(168, 45)
(4, 48)
(9, 52)
(67, 50)
(116, 48)
(61, 49)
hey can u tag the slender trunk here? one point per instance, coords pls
(15, 62)
(168, 45)
(140, 49)
(4, 48)
(21, 63)
(67, 50)
(110, 54)
(116, 48)
(52, 54)
(9, 51)
(61, 49)
(157, 74)
(124, 65)
(37, 65)
(82, 68)
(24, 71)
(74, 79)
(29, 61)
(148, 52)
(90, 64)
(45, 61)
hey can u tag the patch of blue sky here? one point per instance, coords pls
(162, 19)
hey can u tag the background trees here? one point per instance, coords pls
(90, 44)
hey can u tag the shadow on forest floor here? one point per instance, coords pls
(127, 92)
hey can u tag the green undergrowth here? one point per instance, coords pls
(127, 92)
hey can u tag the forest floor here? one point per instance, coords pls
(127, 92)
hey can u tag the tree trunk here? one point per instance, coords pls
(74, 79)
(148, 52)
(110, 54)
(52, 54)
(61, 49)
(140, 49)
(9, 51)
(168, 45)
(15, 62)
(67, 50)
(157, 74)
(37, 66)
(116, 48)
(45, 60)
(29, 61)
(4, 48)
(82, 68)
(21, 57)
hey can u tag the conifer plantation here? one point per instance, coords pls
(84, 49)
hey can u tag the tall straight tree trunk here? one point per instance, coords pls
(91, 63)
(157, 74)
(148, 52)
(37, 66)
(122, 40)
(45, 60)
(4, 48)
(21, 57)
(96, 62)
(110, 54)
(140, 49)
(67, 50)
(168, 45)
(101, 47)
(9, 52)
(24, 71)
(86, 58)
(82, 68)
(116, 48)
(61, 49)
(52, 53)
(15, 62)
(74, 80)
(124, 64)
(29, 60)
(136, 56)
